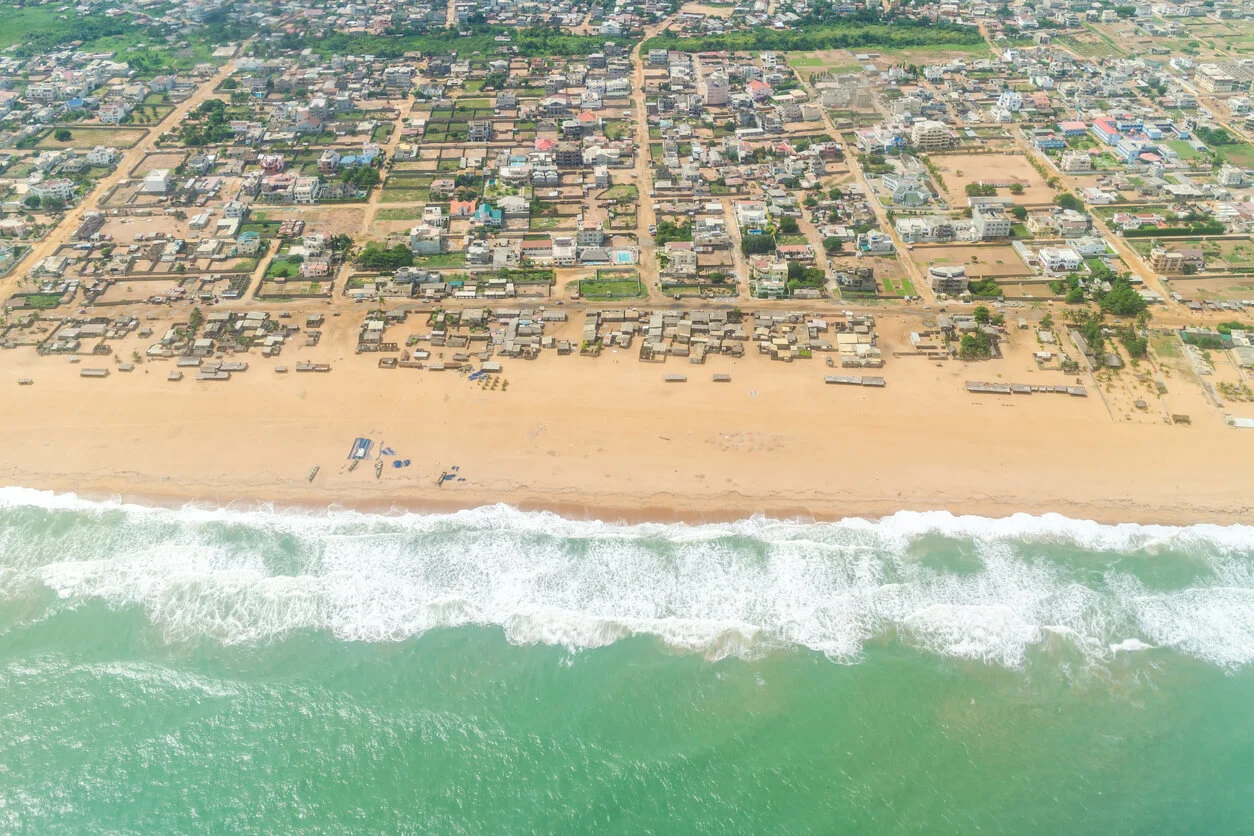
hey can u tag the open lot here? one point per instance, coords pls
(90, 137)
(980, 261)
(835, 61)
(961, 169)
(1224, 289)
(1241, 154)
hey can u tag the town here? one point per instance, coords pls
(1055, 194)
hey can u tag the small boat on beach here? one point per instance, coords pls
(378, 468)
(313, 473)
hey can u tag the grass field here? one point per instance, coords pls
(399, 214)
(622, 191)
(441, 260)
(1184, 149)
(405, 195)
(91, 137)
(898, 287)
(1240, 155)
(611, 289)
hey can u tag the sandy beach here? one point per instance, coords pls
(608, 438)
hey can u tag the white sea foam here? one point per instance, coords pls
(738, 589)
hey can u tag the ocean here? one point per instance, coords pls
(495, 671)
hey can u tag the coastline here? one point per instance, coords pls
(660, 509)
(608, 439)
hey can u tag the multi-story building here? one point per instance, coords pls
(58, 189)
(952, 280)
(930, 135)
(1214, 79)
(990, 221)
(306, 189)
(916, 230)
(1076, 161)
(1166, 261)
(1059, 259)
(714, 89)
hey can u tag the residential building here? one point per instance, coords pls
(157, 181)
(57, 189)
(930, 135)
(915, 230)
(714, 89)
(426, 240)
(1076, 161)
(1059, 259)
(306, 189)
(990, 221)
(1166, 261)
(951, 280)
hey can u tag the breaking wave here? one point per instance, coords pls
(959, 586)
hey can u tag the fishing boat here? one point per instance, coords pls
(353, 466)
(313, 473)
(378, 468)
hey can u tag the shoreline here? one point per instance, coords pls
(618, 511)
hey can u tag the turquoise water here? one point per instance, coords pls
(493, 671)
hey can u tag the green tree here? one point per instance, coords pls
(1069, 201)
(981, 314)
(757, 244)
(975, 346)
(788, 226)
(62, 135)
(832, 245)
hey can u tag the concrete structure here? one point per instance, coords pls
(951, 280)
(930, 135)
(990, 221)
(157, 181)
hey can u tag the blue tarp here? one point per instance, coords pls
(361, 448)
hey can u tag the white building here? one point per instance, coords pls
(157, 181)
(990, 221)
(1231, 176)
(59, 189)
(103, 155)
(306, 189)
(426, 240)
(1059, 259)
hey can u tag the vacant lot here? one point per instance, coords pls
(979, 261)
(1218, 290)
(93, 136)
(960, 169)
(1240, 154)
(170, 160)
(835, 61)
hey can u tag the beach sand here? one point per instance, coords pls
(607, 438)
